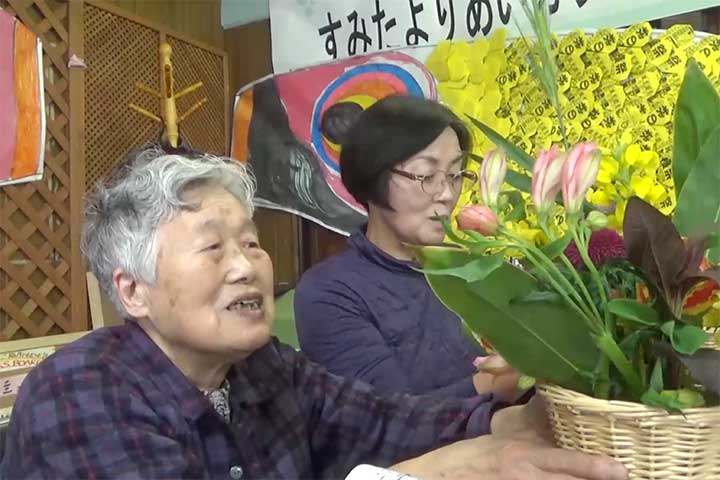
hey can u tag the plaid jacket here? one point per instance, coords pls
(112, 405)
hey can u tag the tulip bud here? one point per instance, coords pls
(597, 220)
(479, 218)
(492, 176)
(547, 173)
(579, 174)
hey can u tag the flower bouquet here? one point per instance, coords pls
(614, 325)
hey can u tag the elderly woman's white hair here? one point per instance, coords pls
(123, 215)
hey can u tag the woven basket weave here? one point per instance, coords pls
(711, 343)
(650, 442)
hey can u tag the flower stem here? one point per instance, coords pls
(606, 343)
(551, 267)
(561, 289)
(581, 284)
(589, 304)
(582, 244)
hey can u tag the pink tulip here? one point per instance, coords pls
(479, 218)
(579, 174)
(547, 173)
(492, 176)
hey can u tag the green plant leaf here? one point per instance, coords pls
(538, 297)
(673, 400)
(656, 378)
(512, 150)
(713, 253)
(698, 204)
(629, 344)
(697, 114)
(633, 311)
(476, 269)
(545, 340)
(685, 339)
(557, 246)
(517, 204)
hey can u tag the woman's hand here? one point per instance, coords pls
(496, 376)
(497, 457)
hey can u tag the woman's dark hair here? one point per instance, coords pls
(386, 134)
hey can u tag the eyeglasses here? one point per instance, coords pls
(435, 183)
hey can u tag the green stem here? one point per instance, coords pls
(582, 245)
(606, 343)
(581, 284)
(589, 304)
(560, 289)
(602, 378)
(551, 267)
(561, 122)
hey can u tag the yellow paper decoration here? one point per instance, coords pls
(615, 88)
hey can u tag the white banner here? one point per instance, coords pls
(307, 32)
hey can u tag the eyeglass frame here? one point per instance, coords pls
(473, 178)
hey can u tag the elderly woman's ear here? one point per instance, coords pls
(132, 294)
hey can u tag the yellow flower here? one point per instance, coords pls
(609, 168)
(528, 233)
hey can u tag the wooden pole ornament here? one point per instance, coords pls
(168, 98)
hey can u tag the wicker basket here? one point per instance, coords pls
(712, 343)
(650, 442)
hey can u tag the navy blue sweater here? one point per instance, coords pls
(364, 314)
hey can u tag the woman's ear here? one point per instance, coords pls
(132, 294)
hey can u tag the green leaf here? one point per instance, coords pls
(512, 150)
(545, 340)
(525, 382)
(713, 253)
(557, 246)
(698, 204)
(517, 204)
(673, 400)
(633, 311)
(442, 257)
(697, 114)
(538, 297)
(518, 180)
(685, 339)
(629, 344)
(656, 378)
(475, 270)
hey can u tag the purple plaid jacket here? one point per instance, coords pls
(112, 405)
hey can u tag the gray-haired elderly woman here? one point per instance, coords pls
(193, 385)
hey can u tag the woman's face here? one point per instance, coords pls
(417, 203)
(214, 289)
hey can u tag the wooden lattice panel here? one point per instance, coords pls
(119, 53)
(205, 129)
(35, 218)
(42, 276)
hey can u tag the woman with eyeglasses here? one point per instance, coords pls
(367, 312)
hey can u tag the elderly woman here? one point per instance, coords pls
(193, 386)
(368, 313)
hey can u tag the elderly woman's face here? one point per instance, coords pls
(214, 289)
(415, 208)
